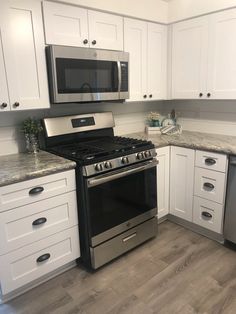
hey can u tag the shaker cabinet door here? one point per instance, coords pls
(65, 25)
(23, 44)
(105, 30)
(135, 42)
(4, 99)
(189, 59)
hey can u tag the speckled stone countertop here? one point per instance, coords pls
(195, 140)
(23, 166)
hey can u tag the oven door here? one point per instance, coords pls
(120, 200)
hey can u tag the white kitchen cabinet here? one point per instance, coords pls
(74, 26)
(23, 48)
(163, 181)
(182, 182)
(189, 58)
(221, 83)
(147, 45)
(4, 98)
(203, 57)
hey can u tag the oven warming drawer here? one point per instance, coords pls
(122, 243)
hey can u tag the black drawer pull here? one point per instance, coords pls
(206, 214)
(37, 190)
(208, 185)
(43, 258)
(39, 221)
(210, 161)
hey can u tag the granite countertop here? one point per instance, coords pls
(23, 166)
(195, 140)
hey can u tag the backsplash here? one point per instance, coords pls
(129, 117)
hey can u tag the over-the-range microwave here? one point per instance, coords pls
(84, 75)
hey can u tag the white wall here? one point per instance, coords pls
(153, 10)
(182, 9)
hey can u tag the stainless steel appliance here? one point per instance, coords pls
(83, 74)
(230, 209)
(116, 184)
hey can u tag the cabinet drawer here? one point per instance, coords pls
(35, 260)
(209, 185)
(211, 161)
(34, 190)
(26, 224)
(208, 214)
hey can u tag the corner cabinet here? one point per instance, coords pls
(163, 181)
(147, 45)
(74, 26)
(182, 182)
(22, 57)
(203, 57)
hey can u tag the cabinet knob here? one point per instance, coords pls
(85, 41)
(94, 42)
(3, 105)
(201, 94)
(16, 104)
(144, 96)
(150, 96)
(208, 95)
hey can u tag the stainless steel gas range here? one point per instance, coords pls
(116, 184)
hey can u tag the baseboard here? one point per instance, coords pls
(35, 283)
(198, 229)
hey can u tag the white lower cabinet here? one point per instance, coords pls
(163, 181)
(181, 182)
(38, 229)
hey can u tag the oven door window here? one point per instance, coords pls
(117, 201)
(86, 76)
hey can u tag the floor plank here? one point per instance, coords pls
(177, 272)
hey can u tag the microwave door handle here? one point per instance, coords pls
(110, 177)
(119, 76)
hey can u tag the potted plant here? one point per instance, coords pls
(154, 119)
(31, 128)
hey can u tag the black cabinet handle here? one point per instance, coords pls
(43, 258)
(201, 94)
(210, 161)
(208, 185)
(85, 41)
(4, 105)
(39, 221)
(37, 190)
(150, 96)
(206, 214)
(144, 96)
(16, 104)
(94, 42)
(208, 95)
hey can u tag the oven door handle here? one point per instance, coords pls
(110, 177)
(119, 76)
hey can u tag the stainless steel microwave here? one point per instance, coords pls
(83, 74)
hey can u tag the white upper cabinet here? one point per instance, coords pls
(203, 57)
(4, 98)
(156, 61)
(189, 58)
(65, 25)
(23, 48)
(135, 42)
(147, 45)
(222, 55)
(182, 182)
(105, 30)
(73, 26)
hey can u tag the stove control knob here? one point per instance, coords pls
(125, 160)
(140, 156)
(98, 167)
(148, 153)
(108, 165)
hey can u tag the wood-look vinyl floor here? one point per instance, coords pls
(178, 272)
